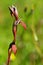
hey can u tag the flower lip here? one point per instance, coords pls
(13, 10)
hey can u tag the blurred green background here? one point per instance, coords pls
(29, 42)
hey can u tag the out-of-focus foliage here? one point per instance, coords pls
(29, 42)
